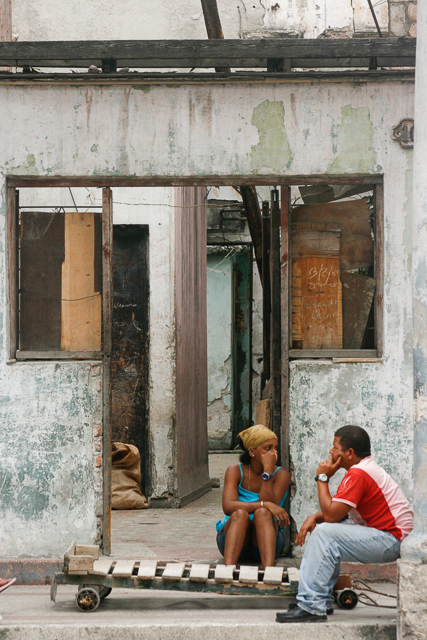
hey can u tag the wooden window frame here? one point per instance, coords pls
(12, 240)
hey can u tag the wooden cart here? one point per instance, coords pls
(95, 578)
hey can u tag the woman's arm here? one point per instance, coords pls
(273, 490)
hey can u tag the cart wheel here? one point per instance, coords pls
(347, 599)
(105, 592)
(87, 599)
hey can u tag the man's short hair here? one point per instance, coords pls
(355, 438)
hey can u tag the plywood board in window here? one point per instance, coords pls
(81, 302)
(316, 287)
(357, 298)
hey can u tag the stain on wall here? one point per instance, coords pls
(354, 142)
(272, 153)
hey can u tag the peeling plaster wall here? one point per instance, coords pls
(192, 130)
(175, 19)
(220, 274)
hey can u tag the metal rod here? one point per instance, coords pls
(67, 206)
(375, 18)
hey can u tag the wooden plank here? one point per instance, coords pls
(262, 415)
(266, 294)
(293, 574)
(107, 330)
(276, 336)
(173, 571)
(199, 572)
(178, 181)
(209, 53)
(87, 550)
(273, 575)
(248, 575)
(101, 567)
(357, 247)
(81, 303)
(80, 563)
(123, 568)
(357, 298)
(224, 573)
(363, 360)
(12, 249)
(58, 355)
(333, 353)
(253, 216)
(147, 569)
(379, 266)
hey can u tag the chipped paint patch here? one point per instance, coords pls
(272, 153)
(145, 88)
(94, 148)
(28, 168)
(354, 141)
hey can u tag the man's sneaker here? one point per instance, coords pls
(299, 615)
(329, 610)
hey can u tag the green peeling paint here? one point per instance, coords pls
(141, 87)
(407, 234)
(354, 141)
(27, 169)
(272, 151)
(94, 148)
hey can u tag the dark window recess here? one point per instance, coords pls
(333, 274)
(60, 281)
(130, 364)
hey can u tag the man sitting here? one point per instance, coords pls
(380, 518)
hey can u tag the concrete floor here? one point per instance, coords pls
(182, 534)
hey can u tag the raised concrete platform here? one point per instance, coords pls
(28, 614)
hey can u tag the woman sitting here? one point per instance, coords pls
(252, 500)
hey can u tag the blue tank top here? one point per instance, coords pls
(244, 495)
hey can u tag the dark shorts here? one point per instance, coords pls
(250, 551)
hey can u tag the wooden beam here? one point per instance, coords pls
(253, 215)
(107, 332)
(332, 52)
(266, 293)
(285, 322)
(12, 248)
(275, 337)
(179, 181)
(213, 26)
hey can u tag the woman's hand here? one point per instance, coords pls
(278, 512)
(307, 527)
(269, 460)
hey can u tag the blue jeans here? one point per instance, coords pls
(328, 545)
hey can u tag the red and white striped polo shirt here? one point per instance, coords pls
(376, 499)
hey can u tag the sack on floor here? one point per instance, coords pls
(126, 478)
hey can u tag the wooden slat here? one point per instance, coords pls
(12, 248)
(107, 331)
(275, 336)
(123, 568)
(87, 550)
(101, 567)
(273, 575)
(293, 574)
(224, 573)
(379, 266)
(59, 355)
(210, 53)
(333, 353)
(80, 563)
(147, 569)
(248, 575)
(266, 294)
(173, 571)
(178, 181)
(199, 572)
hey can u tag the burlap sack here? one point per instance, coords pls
(126, 478)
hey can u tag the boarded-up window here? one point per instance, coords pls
(60, 298)
(333, 283)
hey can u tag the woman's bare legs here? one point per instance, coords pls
(237, 535)
(264, 533)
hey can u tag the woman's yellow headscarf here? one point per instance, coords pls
(255, 435)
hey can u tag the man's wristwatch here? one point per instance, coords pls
(266, 476)
(322, 477)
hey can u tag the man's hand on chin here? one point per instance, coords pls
(329, 467)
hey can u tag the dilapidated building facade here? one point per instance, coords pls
(97, 167)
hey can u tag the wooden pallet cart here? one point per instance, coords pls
(95, 578)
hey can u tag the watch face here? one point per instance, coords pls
(323, 477)
(265, 476)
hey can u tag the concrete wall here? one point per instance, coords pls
(280, 128)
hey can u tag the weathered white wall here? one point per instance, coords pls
(219, 302)
(181, 19)
(206, 130)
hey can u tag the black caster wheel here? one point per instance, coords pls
(88, 599)
(104, 592)
(347, 599)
